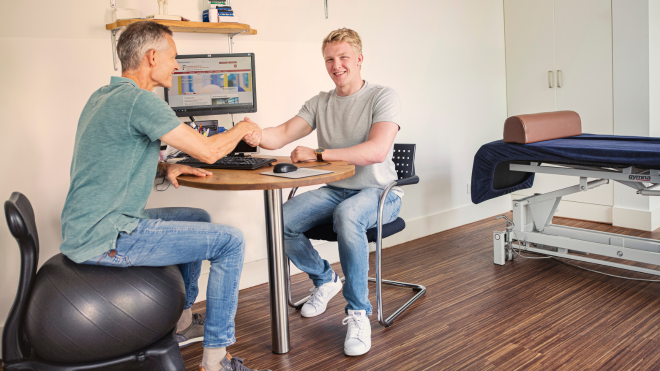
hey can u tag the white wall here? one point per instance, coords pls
(444, 58)
(635, 38)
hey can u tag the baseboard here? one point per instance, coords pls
(584, 211)
(579, 210)
(636, 219)
(256, 272)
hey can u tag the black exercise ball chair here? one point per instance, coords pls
(71, 316)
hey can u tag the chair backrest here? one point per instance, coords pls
(404, 160)
(22, 225)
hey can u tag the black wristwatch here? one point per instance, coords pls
(319, 154)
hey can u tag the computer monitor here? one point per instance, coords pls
(213, 84)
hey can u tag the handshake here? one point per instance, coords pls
(277, 138)
(253, 137)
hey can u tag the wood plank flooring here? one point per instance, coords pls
(530, 314)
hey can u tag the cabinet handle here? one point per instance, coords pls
(560, 78)
(551, 79)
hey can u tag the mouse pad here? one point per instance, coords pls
(300, 173)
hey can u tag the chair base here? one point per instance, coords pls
(163, 355)
(419, 289)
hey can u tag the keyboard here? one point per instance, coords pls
(230, 162)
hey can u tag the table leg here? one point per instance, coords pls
(277, 269)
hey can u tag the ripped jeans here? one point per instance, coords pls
(351, 212)
(184, 237)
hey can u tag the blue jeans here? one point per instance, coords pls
(351, 212)
(185, 237)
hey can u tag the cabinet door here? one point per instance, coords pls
(530, 54)
(583, 54)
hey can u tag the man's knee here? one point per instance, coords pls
(348, 216)
(289, 220)
(201, 215)
(230, 238)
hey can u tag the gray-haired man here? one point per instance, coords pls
(114, 163)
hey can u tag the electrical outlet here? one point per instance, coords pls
(468, 188)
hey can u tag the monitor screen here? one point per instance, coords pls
(213, 84)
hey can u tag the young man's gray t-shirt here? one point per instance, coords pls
(343, 122)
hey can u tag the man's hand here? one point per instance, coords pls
(171, 171)
(250, 126)
(303, 154)
(253, 139)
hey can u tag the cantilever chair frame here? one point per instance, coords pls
(405, 168)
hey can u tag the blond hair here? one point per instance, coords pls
(344, 35)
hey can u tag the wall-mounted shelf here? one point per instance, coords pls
(230, 29)
(180, 26)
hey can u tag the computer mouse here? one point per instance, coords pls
(284, 168)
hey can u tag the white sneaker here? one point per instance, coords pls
(358, 336)
(320, 297)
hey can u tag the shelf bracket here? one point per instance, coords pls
(231, 40)
(113, 40)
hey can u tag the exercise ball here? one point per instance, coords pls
(83, 313)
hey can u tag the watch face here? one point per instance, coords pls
(320, 150)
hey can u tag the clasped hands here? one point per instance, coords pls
(297, 155)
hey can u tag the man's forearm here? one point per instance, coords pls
(363, 154)
(220, 145)
(272, 138)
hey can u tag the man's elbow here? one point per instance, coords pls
(209, 157)
(379, 157)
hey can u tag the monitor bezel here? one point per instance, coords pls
(217, 111)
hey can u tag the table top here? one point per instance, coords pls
(235, 180)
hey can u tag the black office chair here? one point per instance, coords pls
(73, 317)
(404, 160)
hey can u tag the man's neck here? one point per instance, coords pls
(345, 91)
(141, 78)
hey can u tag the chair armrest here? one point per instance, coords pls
(407, 181)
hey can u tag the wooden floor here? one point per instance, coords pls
(531, 314)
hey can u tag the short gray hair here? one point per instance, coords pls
(137, 39)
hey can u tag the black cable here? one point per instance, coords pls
(163, 185)
(324, 164)
(603, 273)
(311, 159)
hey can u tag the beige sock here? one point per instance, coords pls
(212, 357)
(185, 321)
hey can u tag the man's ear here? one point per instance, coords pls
(151, 57)
(360, 60)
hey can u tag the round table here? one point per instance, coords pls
(242, 180)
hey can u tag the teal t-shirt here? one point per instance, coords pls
(114, 164)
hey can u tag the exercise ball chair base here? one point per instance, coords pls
(163, 355)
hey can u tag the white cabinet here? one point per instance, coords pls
(559, 57)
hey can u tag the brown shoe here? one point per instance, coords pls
(230, 363)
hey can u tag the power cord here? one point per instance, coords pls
(521, 248)
(163, 185)
(603, 273)
(312, 159)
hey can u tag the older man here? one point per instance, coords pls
(114, 163)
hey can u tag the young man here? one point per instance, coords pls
(356, 122)
(114, 164)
